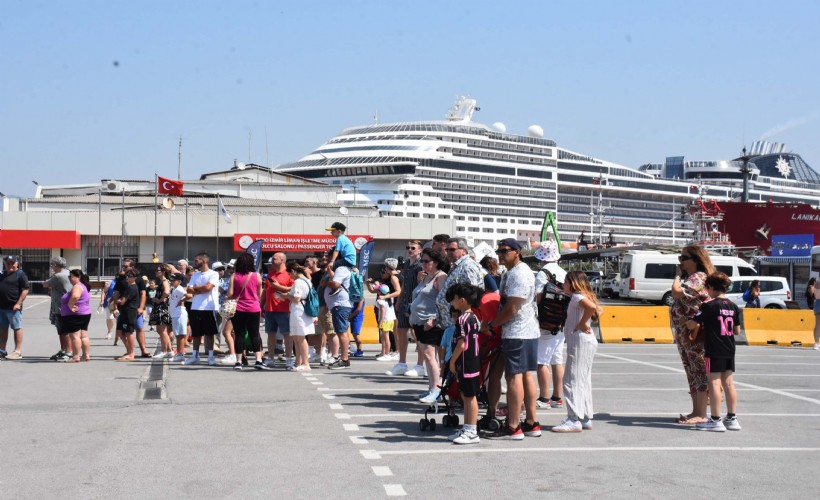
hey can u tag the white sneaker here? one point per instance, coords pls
(211, 361)
(311, 352)
(454, 435)
(229, 360)
(415, 372)
(179, 358)
(394, 356)
(586, 424)
(384, 357)
(567, 426)
(398, 369)
(816, 346)
(314, 358)
(193, 360)
(731, 424)
(467, 437)
(711, 425)
(431, 397)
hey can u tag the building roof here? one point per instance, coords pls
(115, 199)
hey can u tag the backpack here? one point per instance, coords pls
(552, 308)
(356, 290)
(311, 302)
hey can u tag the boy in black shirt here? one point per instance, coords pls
(720, 321)
(128, 306)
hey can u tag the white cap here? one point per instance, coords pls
(217, 265)
(232, 263)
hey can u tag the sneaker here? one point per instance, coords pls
(329, 361)
(414, 372)
(269, 363)
(358, 353)
(65, 357)
(230, 359)
(557, 403)
(315, 358)
(262, 366)
(179, 358)
(394, 356)
(456, 434)
(58, 356)
(3, 353)
(431, 397)
(384, 357)
(279, 349)
(237, 367)
(398, 369)
(193, 360)
(467, 437)
(713, 424)
(506, 433)
(567, 426)
(731, 424)
(302, 368)
(543, 403)
(531, 430)
(211, 361)
(245, 361)
(586, 424)
(816, 346)
(339, 364)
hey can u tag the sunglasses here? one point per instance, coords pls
(684, 258)
(410, 248)
(504, 252)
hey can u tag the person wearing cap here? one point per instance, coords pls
(179, 314)
(58, 285)
(344, 247)
(519, 341)
(548, 285)
(14, 289)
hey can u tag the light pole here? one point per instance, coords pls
(745, 171)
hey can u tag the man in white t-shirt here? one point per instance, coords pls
(204, 286)
(518, 318)
(338, 302)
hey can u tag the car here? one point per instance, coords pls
(611, 285)
(774, 291)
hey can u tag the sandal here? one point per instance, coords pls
(684, 420)
(124, 358)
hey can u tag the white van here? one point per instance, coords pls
(648, 275)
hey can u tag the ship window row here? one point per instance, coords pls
(497, 186)
(365, 148)
(649, 186)
(442, 127)
(506, 210)
(627, 221)
(566, 155)
(603, 170)
(497, 156)
(499, 192)
(320, 173)
(583, 201)
(497, 146)
(486, 169)
(393, 213)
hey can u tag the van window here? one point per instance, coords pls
(626, 268)
(738, 286)
(660, 271)
(771, 286)
(746, 271)
(727, 270)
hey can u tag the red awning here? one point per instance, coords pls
(32, 238)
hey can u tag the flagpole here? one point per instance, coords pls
(122, 228)
(186, 229)
(217, 226)
(156, 194)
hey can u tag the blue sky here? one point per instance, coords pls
(104, 89)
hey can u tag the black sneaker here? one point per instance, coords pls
(3, 353)
(509, 434)
(245, 362)
(261, 366)
(339, 364)
(531, 430)
(237, 367)
(58, 356)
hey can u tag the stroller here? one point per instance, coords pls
(489, 350)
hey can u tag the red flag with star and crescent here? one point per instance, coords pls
(169, 186)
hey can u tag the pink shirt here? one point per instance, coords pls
(247, 299)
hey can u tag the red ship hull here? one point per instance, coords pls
(753, 224)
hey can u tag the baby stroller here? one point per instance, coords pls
(489, 350)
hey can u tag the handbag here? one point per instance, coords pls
(228, 308)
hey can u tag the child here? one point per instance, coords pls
(344, 247)
(356, 320)
(581, 348)
(179, 315)
(720, 321)
(151, 292)
(465, 361)
(387, 319)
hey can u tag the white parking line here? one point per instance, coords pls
(351, 427)
(739, 384)
(336, 406)
(358, 439)
(376, 455)
(382, 471)
(394, 490)
(328, 396)
(342, 416)
(318, 383)
(37, 304)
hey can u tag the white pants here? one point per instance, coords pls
(581, 348)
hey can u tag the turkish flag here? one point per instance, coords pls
(169, 186)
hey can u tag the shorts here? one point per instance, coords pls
(109, 314)
(180, 325)
(430, 337)
(551, 349)
(469, 387)
(126, 325)
(520, 355)
(341, 318)
(74, 323)
(817, 307)
(403, 317)
(140, 323)
(387, 326)
(12, 318)
(278, 323)
(325, 320)
(56, 320)
(203, 323)
(719, 365)
(356, 323)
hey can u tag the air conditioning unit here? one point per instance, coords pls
(113, 186)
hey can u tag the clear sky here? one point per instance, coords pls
(104, 89)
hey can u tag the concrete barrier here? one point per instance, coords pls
(783, 327)
(638, 324)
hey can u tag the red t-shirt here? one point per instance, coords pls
(271, 304)
(489, 307)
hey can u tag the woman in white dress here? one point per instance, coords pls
(301, 324)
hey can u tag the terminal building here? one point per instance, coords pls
(95, 226)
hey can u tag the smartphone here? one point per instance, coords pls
(683, 274)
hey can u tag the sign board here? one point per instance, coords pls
(294, 242)
(792, 245)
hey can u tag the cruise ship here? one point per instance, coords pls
(497, 184)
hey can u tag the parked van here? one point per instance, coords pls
(648, 275)
(774, 291)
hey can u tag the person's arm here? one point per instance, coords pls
(230, 287)
(141, 307)
(76, 293)
(258, 284)
(396, 288)
(677, 289)
(510, 309)
(457, 350)
(18, 306)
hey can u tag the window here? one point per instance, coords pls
(727, 270)
(660, 271)
(746, 271)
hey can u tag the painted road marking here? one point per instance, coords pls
(394, 490)
(382, 471)
(336, 406)
(328, 396)
(351, 427)
(358, 440)
(342, 416)
(376, 455)
(317, 383)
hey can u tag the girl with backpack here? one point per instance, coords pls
(301, 323)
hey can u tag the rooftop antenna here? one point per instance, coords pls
(376, 117)
(179, 159)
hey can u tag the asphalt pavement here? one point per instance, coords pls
(97, 429)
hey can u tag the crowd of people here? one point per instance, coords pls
(443, 297)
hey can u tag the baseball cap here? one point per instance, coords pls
(232, 263)
(177, 277)
(337, 225)
(10, 258)
(217, 265)
(510, 242)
